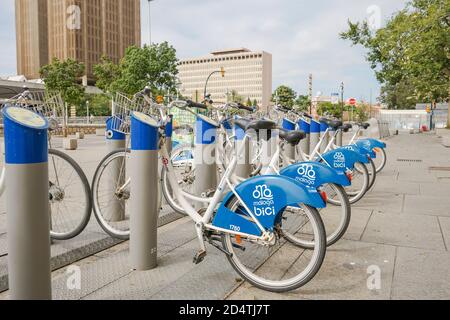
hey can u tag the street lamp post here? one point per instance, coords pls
(221, 71)
(87, 112)
(150, 21)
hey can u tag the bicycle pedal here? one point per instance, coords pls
(199, 257)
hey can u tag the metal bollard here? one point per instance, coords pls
(306, 127)
(315, 134)
(325, 135)
(244, 166)
(27, 204)
(169, 133)
(144, 185)
(205, 157)
(114, 141)
(289, 150)
(339, 138)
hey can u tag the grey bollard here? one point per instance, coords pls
(27, 204)
(268, 140)
(305, 143)
(205, 157)
(289, 150)
(244, 166)
(144, 186)
(115, 140)
(169, 133)
(339, 138)
(314, 135)
(325, 135)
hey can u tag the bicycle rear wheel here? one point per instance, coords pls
(69, 196)
(281, 266)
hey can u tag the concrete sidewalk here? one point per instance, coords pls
(401, 228)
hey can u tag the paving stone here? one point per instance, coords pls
(409, 230)
(445, 226)
(434, 189)
(343, 275)
(427, 205)
(380, 201)
(421, 274)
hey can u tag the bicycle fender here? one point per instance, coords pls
(266, 197)
(370, 144)
(315, 174)
(360, 150)
(343, 159)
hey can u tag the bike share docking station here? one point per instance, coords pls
(27, 205)
(289, 149)
(244, 166)
(116, 140)
(314, 134)
(205, 157)
(325, 135)
(305, 126)
(144, 186)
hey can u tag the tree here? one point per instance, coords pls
(249, 102)
(64, 77)
(329, 109)
(236, 97)
(255, 103)
(154, 65)
(413, 49)
(107, 72)
(99, 105)
(398, 96)
(284, 96)
(302, 103)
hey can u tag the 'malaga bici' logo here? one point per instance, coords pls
(307, 174)
(264, 206)
(339, 160)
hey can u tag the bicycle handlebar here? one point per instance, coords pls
(192, 104)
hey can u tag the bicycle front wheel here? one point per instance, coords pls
(110, 194)
(69, 196)
(280, 266)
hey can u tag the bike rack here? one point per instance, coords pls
(305, 126)
(116, 140)
(27, 204)
(205, 157)
(244, 166)
(144, 183)
(314, 134)
(289, 150)
(325, 135)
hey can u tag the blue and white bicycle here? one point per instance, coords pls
(247, 222)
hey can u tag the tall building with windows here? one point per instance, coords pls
(248, 73)
(31, 37)
(83, 30)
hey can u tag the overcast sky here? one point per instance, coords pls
(302, 36)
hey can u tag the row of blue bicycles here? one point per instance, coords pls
(253, 190)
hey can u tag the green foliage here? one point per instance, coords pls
(63, 77)
(99, 105)
(248, 103)
(106, 73)
(235, 97)
(398, 96)
(255, 103)
(284, 96)
(411, 53)
(302, 103)
(329, 109)
(154, 65)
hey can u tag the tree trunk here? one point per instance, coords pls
(448, 115)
